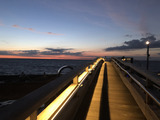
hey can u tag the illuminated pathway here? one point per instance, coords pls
(94, 108)
(119, 103)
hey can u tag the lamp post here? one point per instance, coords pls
(147, 43)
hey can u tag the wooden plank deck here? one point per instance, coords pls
(94, 109)
(120, 103)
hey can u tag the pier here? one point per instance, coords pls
(100, 90)
(121, 104)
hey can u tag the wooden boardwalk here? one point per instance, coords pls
(112, 101)
(94, 109)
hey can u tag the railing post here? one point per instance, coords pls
(87, 69)
(91, 66)
(33, 116)
(130, 71)
(148, 86)
(75, 80)
(148, 99)
(148, 83)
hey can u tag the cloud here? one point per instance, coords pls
(36, 53)
(75, 53)
(19, 27)
(16, 26)
(136, 44)
(127, 35)
(6, 53)
(60, 51)
(30, 29)
(147, 34)
(33, 30)
(50, 33)
(20, 52)
(29, 53)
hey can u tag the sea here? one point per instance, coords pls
(36, 66)
(154, 66)
(51, 66)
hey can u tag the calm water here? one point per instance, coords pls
(39, 66)
(154, 66)
(35, 66)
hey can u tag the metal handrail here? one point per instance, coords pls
(146, 74)
(139, 84)
(25, 106)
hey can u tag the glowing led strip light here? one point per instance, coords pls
(52, 107)
(71, 95)
(83, 76)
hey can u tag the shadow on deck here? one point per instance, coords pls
(109, 99)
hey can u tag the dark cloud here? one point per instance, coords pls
(29, 53)
(75, 54)
(20, 52)
(60, 51)
(49, 51)
(147, 34)
(158, 53)
(136, 44)
(6, 53)
(129, 36)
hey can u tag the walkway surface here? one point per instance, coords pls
(118, 103)
(94, 109)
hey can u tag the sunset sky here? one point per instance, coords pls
(79, 29)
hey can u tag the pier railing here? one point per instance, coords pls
(48, 101)
(144, 87)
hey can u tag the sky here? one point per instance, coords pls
(79, 29)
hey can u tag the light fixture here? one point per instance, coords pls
(147, 42)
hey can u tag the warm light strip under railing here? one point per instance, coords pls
(52, 110)
(71, 95)
(81, 77)
(139, 84)
(85, 73)
(67, 100)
